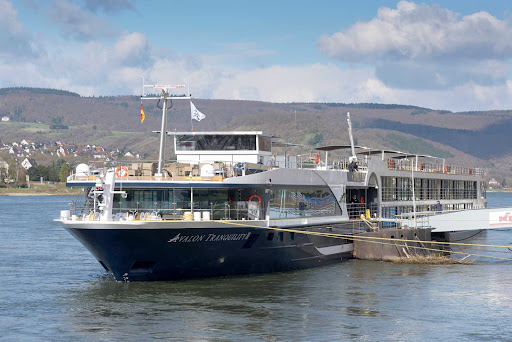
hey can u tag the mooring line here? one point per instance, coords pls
(369, 239)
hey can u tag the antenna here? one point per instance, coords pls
(164, 95)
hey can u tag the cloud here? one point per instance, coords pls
(95, 66)
(421, 32)
(109, 6)
(420, 46)
(431, 75)
(15, 41)
(77, 23)
(133, 49)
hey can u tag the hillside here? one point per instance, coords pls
(473, 138)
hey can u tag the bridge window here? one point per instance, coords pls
(217, 142)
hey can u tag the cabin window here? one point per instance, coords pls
(280, 237)
(303, 202)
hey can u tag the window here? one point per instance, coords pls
(303, 202)
(265, 143)
(210, 142)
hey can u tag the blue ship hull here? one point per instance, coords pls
(166, 254)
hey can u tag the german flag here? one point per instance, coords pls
(142, 116)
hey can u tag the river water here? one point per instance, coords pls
(52, 289)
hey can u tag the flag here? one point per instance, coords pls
(142, 116)
(196, 115)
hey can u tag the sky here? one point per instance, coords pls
(454, 54)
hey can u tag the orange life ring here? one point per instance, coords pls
(317, 158)
(121, 171)
(445, 169)
(257, 197)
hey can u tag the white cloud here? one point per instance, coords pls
(420, 32)
(133, 49)
(100, 67)
(418, 46)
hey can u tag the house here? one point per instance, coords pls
(494, 184)
(5, 118)
(4, 167)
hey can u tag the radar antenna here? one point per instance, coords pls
(164, 95)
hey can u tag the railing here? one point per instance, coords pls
(355, 210)
(192, 170)
(406, 165)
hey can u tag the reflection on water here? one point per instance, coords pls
(52, 289)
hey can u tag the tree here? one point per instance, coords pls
(64, 172)
(36, 172)
(54, 170)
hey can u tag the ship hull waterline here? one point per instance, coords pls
(151, 254)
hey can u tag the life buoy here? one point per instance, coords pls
(121, 171)
(445, 169)
(469, 171)
(421, 166)
(257, 197)
(317, 158)
(361, 200)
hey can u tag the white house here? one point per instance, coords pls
(5, 118)
(4, 167)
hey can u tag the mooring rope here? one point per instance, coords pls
(368, 239)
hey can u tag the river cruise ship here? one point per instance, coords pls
(226, 204)
(240, 203)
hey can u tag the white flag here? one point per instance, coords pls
(196, 115)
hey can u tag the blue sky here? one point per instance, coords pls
(448, 55)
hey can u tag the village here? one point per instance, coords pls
(19, 160)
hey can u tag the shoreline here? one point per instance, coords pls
(17, 194)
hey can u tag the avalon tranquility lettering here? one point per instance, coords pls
(209, 237)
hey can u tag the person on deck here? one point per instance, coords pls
(438, 207)
(353, 166)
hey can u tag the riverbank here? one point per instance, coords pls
(38, 189)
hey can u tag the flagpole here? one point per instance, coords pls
(188, 90)
(191, 120)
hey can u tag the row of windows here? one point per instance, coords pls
(231, 203)
(218, 142)
(400, 189)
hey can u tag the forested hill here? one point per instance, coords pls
(470, 138)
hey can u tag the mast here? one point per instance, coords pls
(164, 95)
(354, 157)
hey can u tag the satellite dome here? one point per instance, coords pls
(82, 170)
